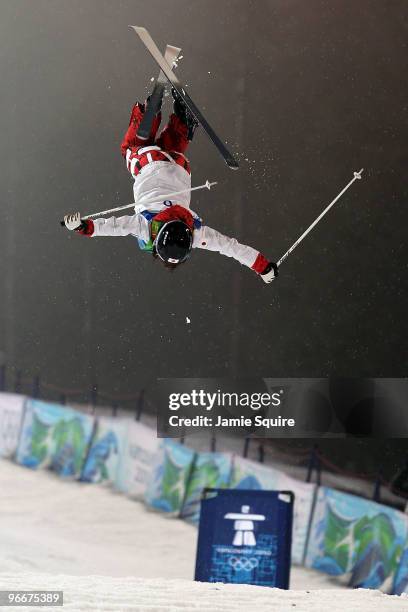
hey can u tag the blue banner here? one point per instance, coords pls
(245, 537)
(210, 471)
(400, 585)
(54, 437)
(104, 454)
(168, 484)
(357, 538)
(137, 460)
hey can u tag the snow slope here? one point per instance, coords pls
(99, 593)
(67, 535)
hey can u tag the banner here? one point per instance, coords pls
(245, 537)
(400, 585)
(54, 437)
(167, 488)
(210, 470)
(103, 457)
(247, 474)
(357, 538)
(11, 416)
(137, 460)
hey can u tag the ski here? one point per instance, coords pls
(174, 81)
(156, 97)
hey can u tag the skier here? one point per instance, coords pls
(169, 230)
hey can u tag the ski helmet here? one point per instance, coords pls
(174, 242)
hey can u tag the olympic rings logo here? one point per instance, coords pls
(247, 564)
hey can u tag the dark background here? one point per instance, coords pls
(304, 92)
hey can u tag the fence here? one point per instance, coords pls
(97, 400)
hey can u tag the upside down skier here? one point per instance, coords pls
(169, 230)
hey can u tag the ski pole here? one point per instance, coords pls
(206, 185)
(357, 176)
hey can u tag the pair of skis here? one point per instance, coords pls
(166, 72)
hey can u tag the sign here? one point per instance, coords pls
(245, 537)
(247, 474)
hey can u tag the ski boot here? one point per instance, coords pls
(182, 111)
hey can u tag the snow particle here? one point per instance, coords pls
(188, 321)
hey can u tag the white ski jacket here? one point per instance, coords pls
(154, 181)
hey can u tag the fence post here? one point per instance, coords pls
(94, 398)
(261, 453)
(318, 468)
(17, 382)
(36, 387)
(313, 464)
(140, 405)
(114, 409)
(213, 446)
(246, 448)
(3, 377)
(377, 488)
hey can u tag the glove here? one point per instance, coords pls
(73, 222)
(270, 272)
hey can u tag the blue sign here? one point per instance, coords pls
(245, 537)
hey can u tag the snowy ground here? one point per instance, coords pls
(63, 535)
(117, 594)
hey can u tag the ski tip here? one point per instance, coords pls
(230, 161)
(138, 28)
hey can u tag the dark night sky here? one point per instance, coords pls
(305, 92)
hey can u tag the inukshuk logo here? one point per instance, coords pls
(244, 524)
